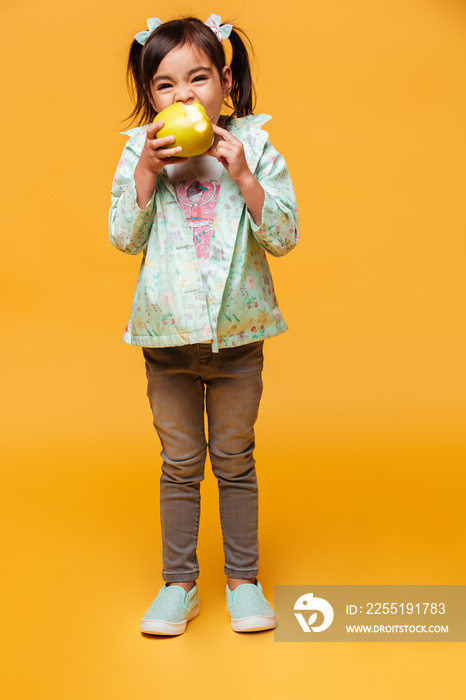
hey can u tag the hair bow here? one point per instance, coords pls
(221, 33)
(152, 23)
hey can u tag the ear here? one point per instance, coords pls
(151, 99)
(227, 81)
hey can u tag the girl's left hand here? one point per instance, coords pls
(230, 152)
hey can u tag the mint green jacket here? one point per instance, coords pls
(170, 306)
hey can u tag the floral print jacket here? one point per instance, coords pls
(170, 306)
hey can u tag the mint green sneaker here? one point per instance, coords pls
(249, 610)
(171, 610)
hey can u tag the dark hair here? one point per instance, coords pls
(143, 62)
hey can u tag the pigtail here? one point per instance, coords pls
(243, 94)
(143, 110)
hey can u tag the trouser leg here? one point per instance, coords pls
(176, 395)
(233, 381)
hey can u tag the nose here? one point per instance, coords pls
(184, 94)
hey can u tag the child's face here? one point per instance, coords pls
(187, 75)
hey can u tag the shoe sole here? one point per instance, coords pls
(253, 624)
(168, 628)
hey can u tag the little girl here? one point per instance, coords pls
(204, 300)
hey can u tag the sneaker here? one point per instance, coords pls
(248, 608)
(171, 610)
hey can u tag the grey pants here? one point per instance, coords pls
(183, 383)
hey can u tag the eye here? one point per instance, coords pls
(164, 86)
(198, 78)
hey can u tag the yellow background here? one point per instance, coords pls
(361, 447)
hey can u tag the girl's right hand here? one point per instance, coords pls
(155, 155)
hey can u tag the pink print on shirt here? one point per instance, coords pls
(198, 201)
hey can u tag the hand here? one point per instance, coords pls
(154, 157)
(229, 151)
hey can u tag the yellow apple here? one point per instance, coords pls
(190, 126)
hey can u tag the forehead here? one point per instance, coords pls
(183, 58)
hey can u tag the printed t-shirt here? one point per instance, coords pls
(197, 184)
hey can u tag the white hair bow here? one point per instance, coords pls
(214, 23)
(152, 23)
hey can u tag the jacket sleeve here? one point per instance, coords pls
(278, 232)
(129, 225)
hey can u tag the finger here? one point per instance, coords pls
(225, 134)
(229, 146)
(217, 139)
(153, 128)
(168, 152)
(220, 130)
(226, 150)
(212, 150)
(160, 143)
